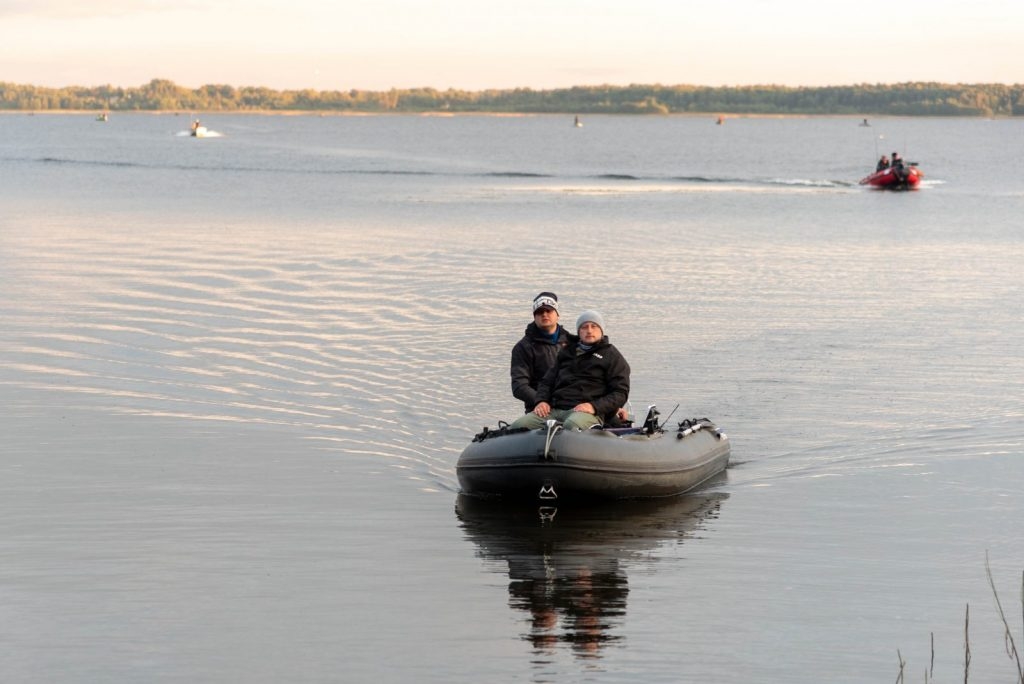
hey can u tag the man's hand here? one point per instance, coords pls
(585, 407)
(542, 409)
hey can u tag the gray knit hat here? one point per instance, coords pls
(593, 317)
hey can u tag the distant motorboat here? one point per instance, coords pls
(198, 130)
(577, 123)
(721, 120)
(103, 117)
(865, 123)
(201, 132)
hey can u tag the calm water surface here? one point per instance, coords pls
(237, 374)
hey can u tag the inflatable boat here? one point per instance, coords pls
(551, 464)
(895, 178)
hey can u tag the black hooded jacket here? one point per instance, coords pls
(532, 357)
(599, 376)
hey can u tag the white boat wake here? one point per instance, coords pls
(201, 132)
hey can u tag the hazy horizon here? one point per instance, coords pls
(576, 85)
(473, 46)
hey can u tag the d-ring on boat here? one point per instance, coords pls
(610, 463)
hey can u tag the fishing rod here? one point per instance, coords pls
(670, 414)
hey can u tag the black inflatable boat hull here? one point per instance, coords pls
(591, 464)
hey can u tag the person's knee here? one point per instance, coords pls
(529, 420)
(581, 421)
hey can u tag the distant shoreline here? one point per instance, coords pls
(865, 100)
(446, 115)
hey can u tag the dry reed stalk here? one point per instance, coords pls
(929, 675)
(967, 642)
(1008, 642)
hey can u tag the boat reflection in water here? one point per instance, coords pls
(567, 565)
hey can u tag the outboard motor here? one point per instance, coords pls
(651, 422)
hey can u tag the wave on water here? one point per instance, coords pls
(342, 353)
(782, 182)
(624, 180)
(915, 449)
(516, 174)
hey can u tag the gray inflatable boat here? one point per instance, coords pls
(553, 464)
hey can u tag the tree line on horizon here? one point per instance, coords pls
(903, 99)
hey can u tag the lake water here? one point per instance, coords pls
(236, 375)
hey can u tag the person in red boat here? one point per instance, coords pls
(897, 166)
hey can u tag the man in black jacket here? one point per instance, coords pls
(589, 381)
(534, 355)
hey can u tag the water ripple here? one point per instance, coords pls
(343, 351)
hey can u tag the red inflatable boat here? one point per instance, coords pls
(895, 178)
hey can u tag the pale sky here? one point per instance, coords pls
(479, 44)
